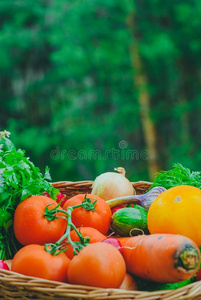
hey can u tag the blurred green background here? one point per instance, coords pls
(89, 85)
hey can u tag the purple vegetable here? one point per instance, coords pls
(144, 200)
(147, 199)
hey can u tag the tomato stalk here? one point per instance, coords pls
(61, 245)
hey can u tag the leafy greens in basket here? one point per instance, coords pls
(19, 179)
(178, 175)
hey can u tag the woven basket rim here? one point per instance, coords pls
(91, 181)
(11, 278)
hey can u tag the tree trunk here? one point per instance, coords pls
(141, 82)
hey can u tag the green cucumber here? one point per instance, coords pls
(130, 221)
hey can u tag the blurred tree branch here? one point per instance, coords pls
(144, 98)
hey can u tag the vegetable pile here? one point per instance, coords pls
(111, 238)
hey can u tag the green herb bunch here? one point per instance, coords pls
(178, 175)
(19, 179)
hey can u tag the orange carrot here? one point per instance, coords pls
(161, 257)
(122, 239)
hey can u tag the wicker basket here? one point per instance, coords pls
(16, 286)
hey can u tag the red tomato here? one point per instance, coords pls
(33, 260)
(99, 218)
(98, 264)
(32, 227)
(92, 233)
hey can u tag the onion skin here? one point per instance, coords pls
(145, 200)
(111, 185)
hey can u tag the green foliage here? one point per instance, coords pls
(19, 179)
(146, 285)
(178, 175)
(67, 89)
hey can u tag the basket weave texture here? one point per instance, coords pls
(17, 286)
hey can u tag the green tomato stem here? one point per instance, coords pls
(59, 246)
(69, 224)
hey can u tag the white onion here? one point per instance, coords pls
(111, 185)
